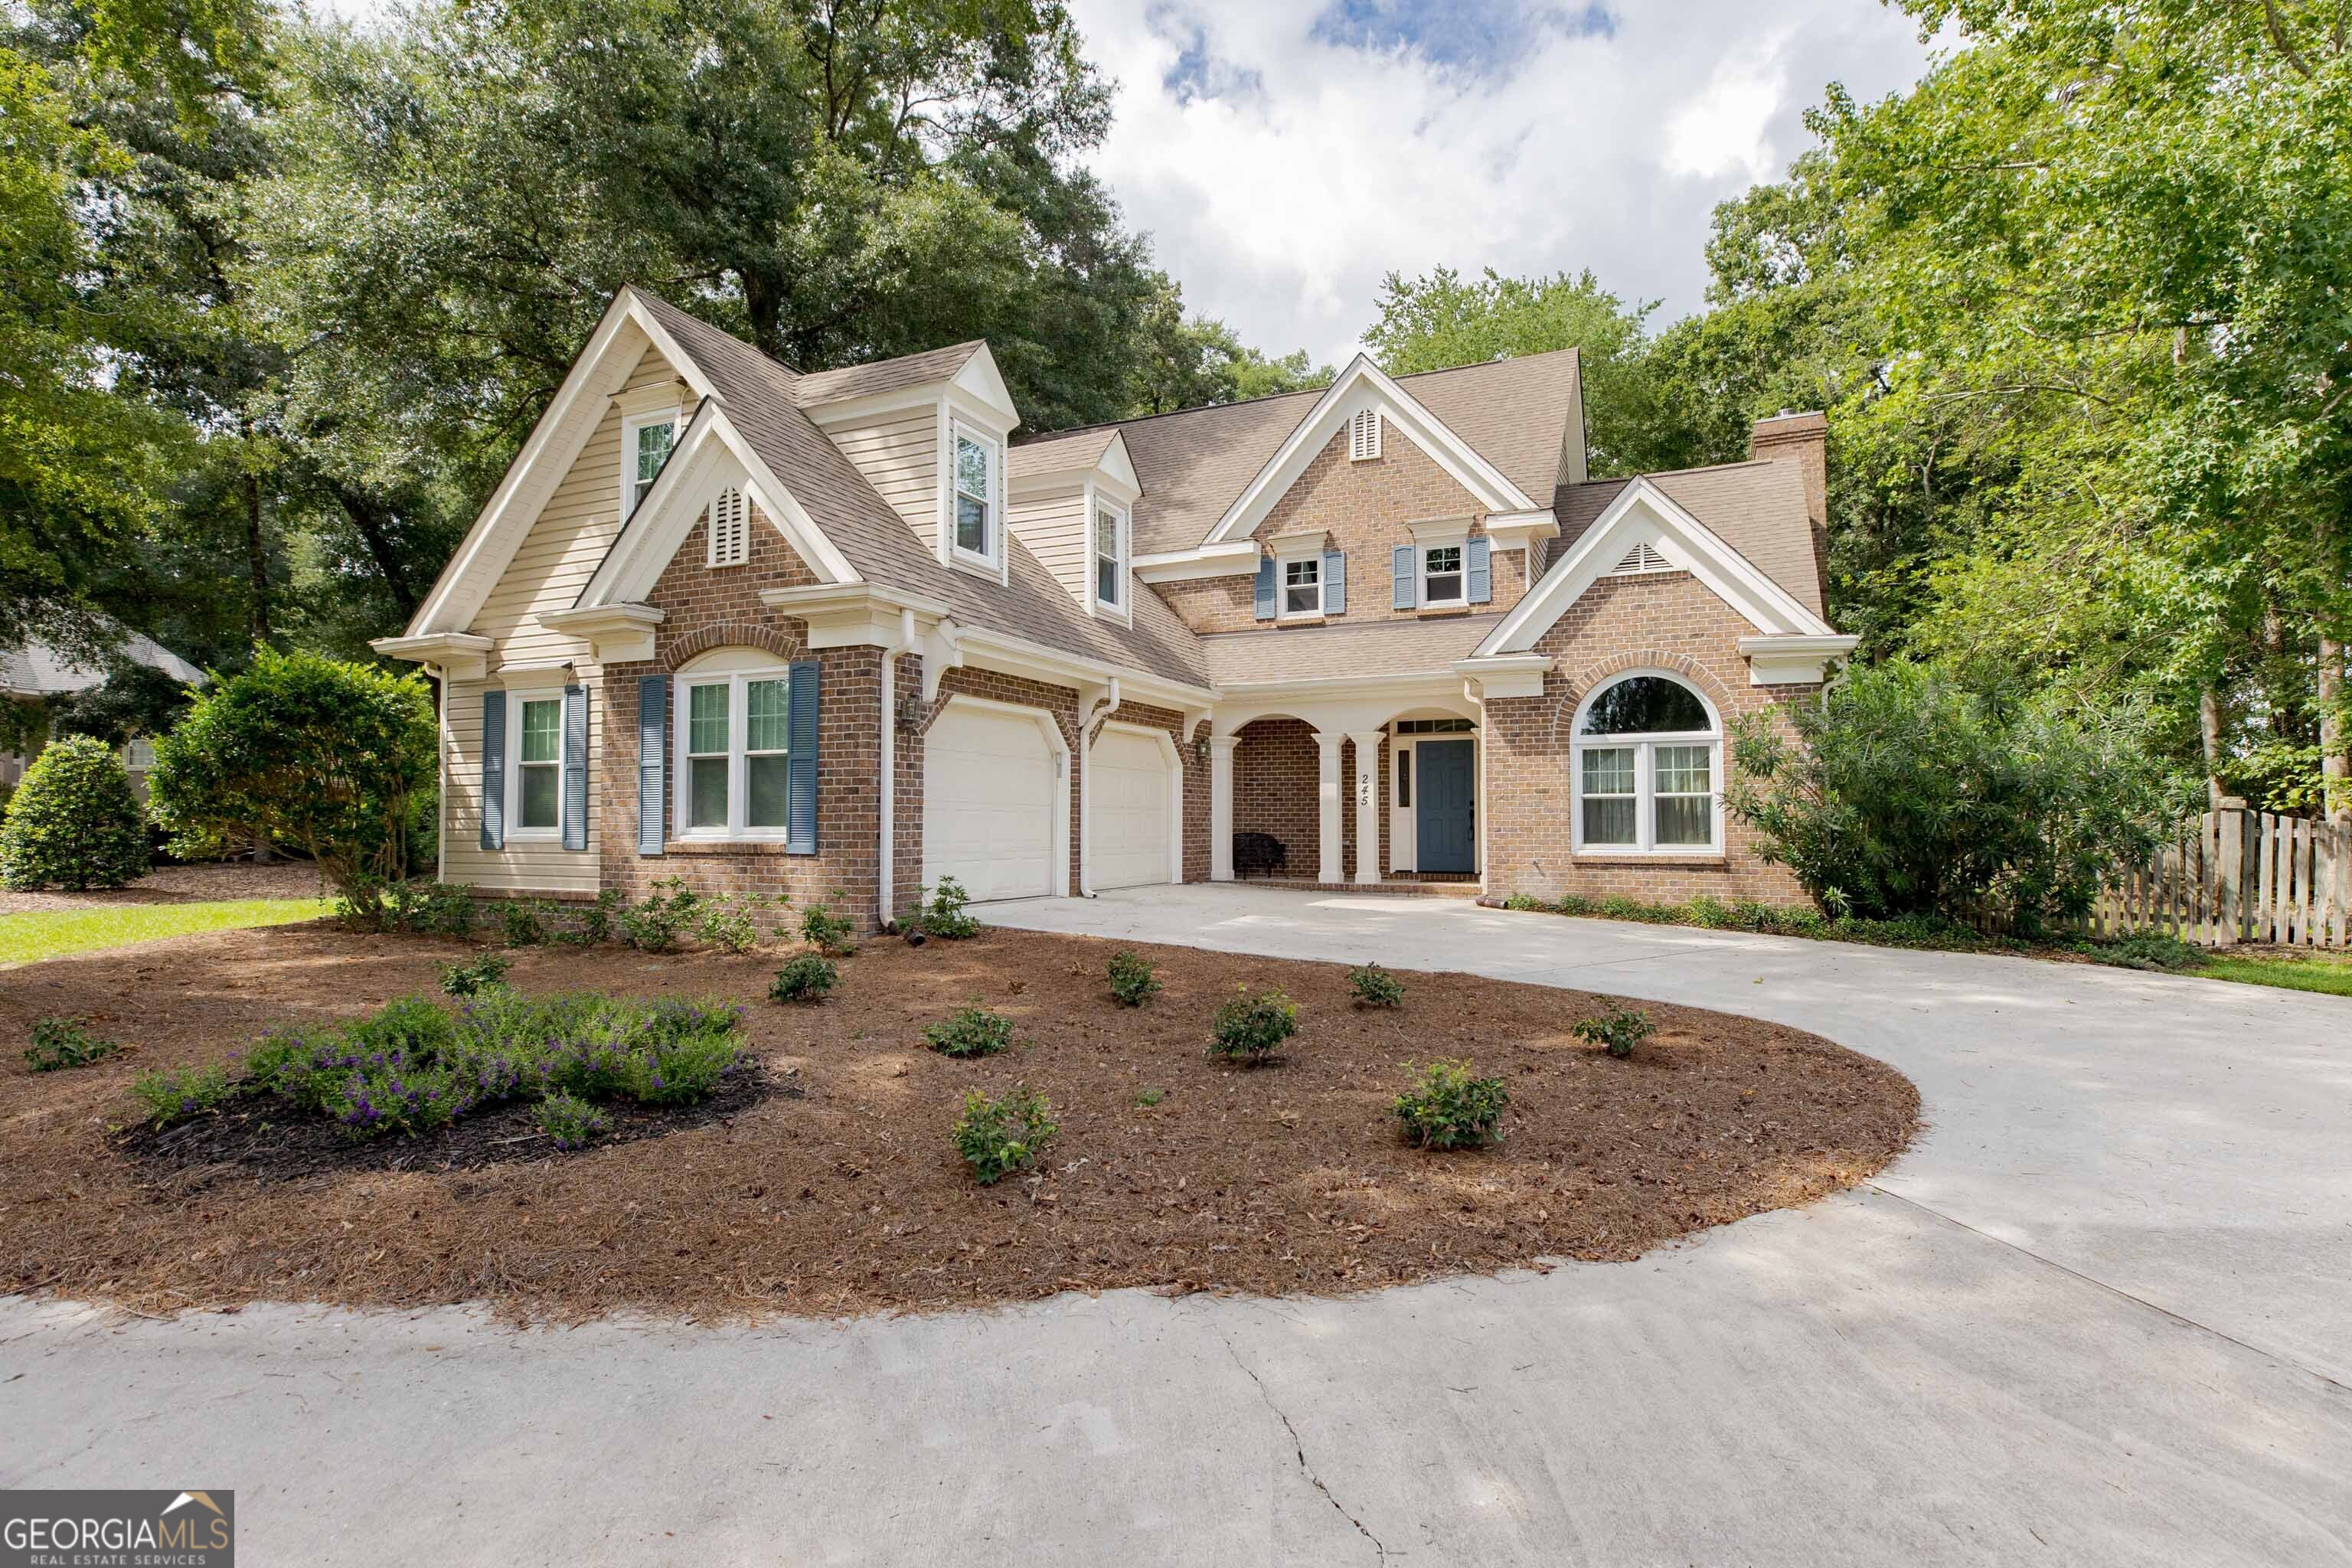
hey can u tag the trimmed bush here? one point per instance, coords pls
(972, 1032)
(60, 1043)
(998, 1137)
(1443, 1107)
(806, 977)
(827, 929)
(475, 976)
(1132, 984)
(1375, 986)
(1618, 1033)
(1249, 1028)
(73, 822)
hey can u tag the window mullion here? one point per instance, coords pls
(739, 811)
(1644, 799)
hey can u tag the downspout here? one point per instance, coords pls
(441, 772)
(1103, 705)
(887, 888)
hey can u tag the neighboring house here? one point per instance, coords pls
(37, 674)
(1389, 627)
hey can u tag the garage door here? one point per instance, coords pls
(989, 785)
(1126, 797)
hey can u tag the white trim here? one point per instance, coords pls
(1794, 660)
(736, 673)
(517, 694)
(992, 559)
(1175, 762)
(457, 655)
(1282, 565)
(1404, 821)
(1122, 534)
(1363, 384)
(1422, 546)
(1235, 560)
(1643, 511)
(1058, 879)
(667, 413)
(1644, 747)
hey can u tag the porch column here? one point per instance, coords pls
(1221, 806)
(1328, 743)
(1367, 805)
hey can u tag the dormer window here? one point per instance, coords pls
(979, 469)
(1110, 556)
(646, 441)
(1364, 436)
(730, 529)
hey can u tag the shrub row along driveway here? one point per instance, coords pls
(2099, 1314)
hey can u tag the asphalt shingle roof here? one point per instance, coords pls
(1385, 646)
(1757, 508)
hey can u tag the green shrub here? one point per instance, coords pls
(475, 976)
(1618, 1031)
(827, 929)
(998, 1137)
(2145, 949)
(1909, 793)
(73, 822)
(1375, 986)
(730, 923)
(570, 1122)
(594, 925)
(438, 908)
(524, 921)
(312, 753)
(974, 1031)
(1249, 1028)
(59, 1043)
(1443, 1107)
(653, 924)
(1148, 1098)
(943, 916)
(1524, 902)
(178, 1093)
(806, 977)
(1132, 984)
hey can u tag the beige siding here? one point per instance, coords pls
(899, 456)
(533, 865)
(566, 544)
(1055, 529)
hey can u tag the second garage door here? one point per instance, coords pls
(990, 783)
(1128, 789)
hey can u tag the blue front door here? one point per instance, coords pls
(1445, 812)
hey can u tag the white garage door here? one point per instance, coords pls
(989, 783)
(1126, 797)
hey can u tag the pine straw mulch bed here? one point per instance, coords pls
(831, 1187)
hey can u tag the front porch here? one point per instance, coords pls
(1360, 795)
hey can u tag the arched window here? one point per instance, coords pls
(1648, 759)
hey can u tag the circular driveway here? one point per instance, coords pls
(2101, 1312)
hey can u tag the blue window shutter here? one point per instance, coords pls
(800, 772)
(1401, 575)
(1334, 583)
(494, 770)
(575, 767)
(653, 763)
(1481, 585)
(1265, 587)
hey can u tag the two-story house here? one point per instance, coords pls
(801, 633)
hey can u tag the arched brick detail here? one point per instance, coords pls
(1683, 665)
(782, 640)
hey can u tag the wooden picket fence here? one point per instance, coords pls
(2236, 875)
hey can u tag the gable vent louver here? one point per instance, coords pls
(1642, 557)
(1364, 436)
(730, 529)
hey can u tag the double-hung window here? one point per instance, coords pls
(538, 805)
(1110, 556)
(1302, 585)
(735, 750)
(1441, 574)
(978, 466)
(1648, 754)
(646, 442)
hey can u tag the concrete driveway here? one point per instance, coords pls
(2100, 1313)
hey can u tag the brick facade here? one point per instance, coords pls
(1362, 509)
(1670, 622)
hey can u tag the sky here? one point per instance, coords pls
(1285, 154)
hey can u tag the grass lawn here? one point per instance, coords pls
(59, 933)
(2331, 975)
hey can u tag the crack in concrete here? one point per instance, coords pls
(1297, 1446)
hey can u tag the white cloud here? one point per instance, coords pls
(1281, 172)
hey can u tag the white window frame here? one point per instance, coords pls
(737, 678)
(1644, 746)
(630, 425)
(516, 697)
(1282, 565)
(1420, 552)
(1121, 539)
(992, 557)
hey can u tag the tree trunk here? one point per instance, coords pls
(2335, 747)
(2209, 730)
(375, 532)
(257, 559)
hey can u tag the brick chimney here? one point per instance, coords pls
(1803, 439)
